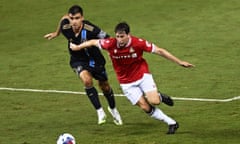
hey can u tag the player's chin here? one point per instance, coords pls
(122, 45)
(75, 26)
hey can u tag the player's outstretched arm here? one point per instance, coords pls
(53, 35)
(86, 44)
(164, 53)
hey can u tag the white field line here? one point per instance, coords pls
(83, 93)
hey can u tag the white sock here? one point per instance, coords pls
(100, 112)
(159, 115)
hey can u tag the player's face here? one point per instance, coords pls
(76, 20)
(122, 38)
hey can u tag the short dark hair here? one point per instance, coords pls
(75, 9)
(122, 27)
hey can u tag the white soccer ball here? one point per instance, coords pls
(66, 138)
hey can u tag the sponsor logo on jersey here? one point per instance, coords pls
(132, 55)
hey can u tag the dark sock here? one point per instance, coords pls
(151, 111)
(93, 96)
(166, 99)
(110, 98)
(160, 95)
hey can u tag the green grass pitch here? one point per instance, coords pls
(203, 32)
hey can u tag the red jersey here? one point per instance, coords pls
(127, 61)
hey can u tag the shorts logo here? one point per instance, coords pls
(79, 68)
(154, 86)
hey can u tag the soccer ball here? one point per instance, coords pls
(66, 138)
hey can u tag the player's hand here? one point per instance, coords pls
(51, 35)
(73, 46)
(186, 64)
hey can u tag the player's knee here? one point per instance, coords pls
(146, 107)
(154, 101)
(86, 78)
(106, 90)
(87, 82)
(143, 104)
(153, 97)
(105, 87)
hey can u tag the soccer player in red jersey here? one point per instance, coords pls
(136, 81)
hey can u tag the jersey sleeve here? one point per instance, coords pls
(146, 46)
(66, 28)
(98, 32)
(105, 43)
(102, 34)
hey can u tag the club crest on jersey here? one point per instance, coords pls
(131, 50)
